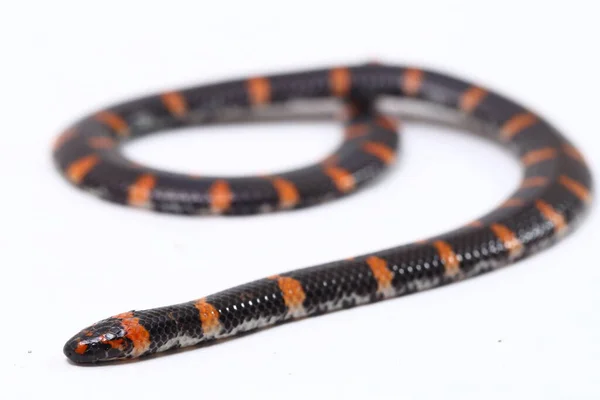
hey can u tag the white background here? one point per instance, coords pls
(528, 332)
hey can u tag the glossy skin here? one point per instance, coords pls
(554, 193)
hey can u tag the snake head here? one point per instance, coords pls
(104, 341)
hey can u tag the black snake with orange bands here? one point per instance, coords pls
(553, 195)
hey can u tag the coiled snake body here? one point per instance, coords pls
(554, 193)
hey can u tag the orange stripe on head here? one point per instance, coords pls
(576, 188)
(220, 196)
(175, 103)
(355, 130)
(209, 318)
(287, 192)
(114, 122)
(78, 169)
(101, 142)
(380, 150)
(140, 192)
(517, 124)
(534, 181)
(81, 348)
(382, 274)
(448, 257)
(135, 332)
(292, 292)
(259, 90)
(115, 343)
(412, 80)
(573, 153)
(471, 98)
(508, 238)
(342, 179)
(537, 156)
(340, 81)
(512, 202)
(63, 138)
(557, 219)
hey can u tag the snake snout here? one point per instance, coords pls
(101, 342)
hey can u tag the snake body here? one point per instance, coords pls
(554, 193)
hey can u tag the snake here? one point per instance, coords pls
(553, 195)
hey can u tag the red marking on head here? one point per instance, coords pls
(175, 103)
(537, 156)
(78, 169)
(113, 121)
(448, 257)
(380, 271)
(517, 124)
(81, 348)
(475, 224)
(508, 238)
(220, 196)
(140, 192)
(259, 90)
(412, 80)
(115, 343)
(287, 192)
(380, 150)
(576, 188)
(471, 98)
(340, 81)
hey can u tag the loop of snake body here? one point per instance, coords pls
(553, 195)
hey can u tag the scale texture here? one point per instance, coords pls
(554, 194)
